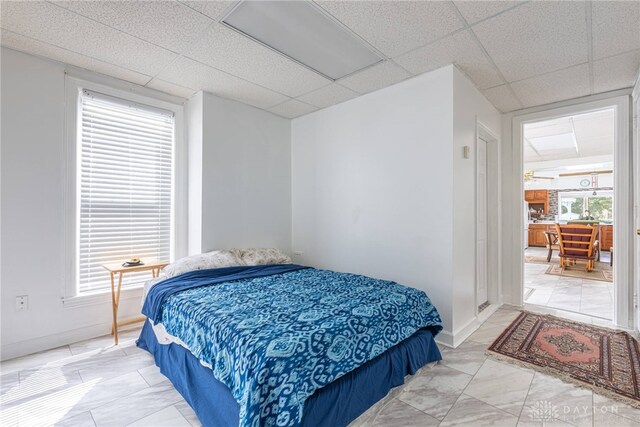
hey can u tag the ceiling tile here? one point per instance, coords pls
(292, 108)
(396, 27)
(616, 27)
(474, 11)
(35, 47)
(328, 95)
(569, 83)
(535, 38)
(171, 88)
(460, 49)
(616, 72)
(229, 51)
(169, 24)
(62, 28)
(502, 98)
(189, 73)
(213, 9)
(374, 78)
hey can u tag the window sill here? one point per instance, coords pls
(101, 297)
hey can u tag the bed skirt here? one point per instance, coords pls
(336, 404)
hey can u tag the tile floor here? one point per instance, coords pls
(589, 297)
(93, 383)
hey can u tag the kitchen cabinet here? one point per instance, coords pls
(536, 233)
(606, 237)
(538, 199)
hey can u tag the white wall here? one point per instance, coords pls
(32, 212)
(469, 107)
(194, 118)
(380, 188)
(244, 162)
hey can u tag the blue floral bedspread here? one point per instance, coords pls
(275, 340)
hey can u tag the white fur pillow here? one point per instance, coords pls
(261, 256)
(214, 259)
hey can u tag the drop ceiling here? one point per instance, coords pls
(583, 139)
(519, 54)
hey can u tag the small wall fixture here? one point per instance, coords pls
(466, 151)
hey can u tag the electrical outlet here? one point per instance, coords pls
(298, 253)
(22, 303)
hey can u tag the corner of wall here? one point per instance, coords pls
(194, 112)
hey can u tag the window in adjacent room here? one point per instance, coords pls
(586, 205)
(124, 187)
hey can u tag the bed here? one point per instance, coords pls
(285, 344)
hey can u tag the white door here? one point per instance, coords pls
(481, 222)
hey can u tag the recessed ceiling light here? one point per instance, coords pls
(301, 31)
(561, 141)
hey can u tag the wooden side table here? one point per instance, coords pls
(117, 268)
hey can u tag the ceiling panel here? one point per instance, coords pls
(189, 73)
(35, 47)
(172, 88)
(460, 49)
(396, 27)
(502, 98)
(569, 83)
(292, 108)
(60, 27)
(536, 38)
(616, 27)
(328, 95)
(213, 9)
(616, 72)
(169, 24)
(474, 11)
(529, 154)
(229, 51)
(376, 77)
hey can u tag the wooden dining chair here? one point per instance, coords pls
(577, 242)
(552, 243)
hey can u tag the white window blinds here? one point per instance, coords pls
(125, 187)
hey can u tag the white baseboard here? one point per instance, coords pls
(456, 338)
(35, 345)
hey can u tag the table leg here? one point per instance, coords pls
(114, 310)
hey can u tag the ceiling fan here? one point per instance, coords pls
(531, 175)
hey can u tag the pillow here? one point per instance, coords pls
(214, 259)
(261, 256)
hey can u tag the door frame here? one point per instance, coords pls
(623, 299)
(635, 128)
(494, 219)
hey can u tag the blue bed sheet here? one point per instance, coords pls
(274, 335)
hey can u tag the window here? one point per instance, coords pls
(124, 191)
(586, 205)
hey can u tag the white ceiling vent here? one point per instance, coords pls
(305, 34)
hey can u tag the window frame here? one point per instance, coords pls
(73, 88)
(584, 194)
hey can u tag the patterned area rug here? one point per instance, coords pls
(580, 272)
(601, 272)
(601, 359)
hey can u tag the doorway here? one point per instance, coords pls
(575, 169)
